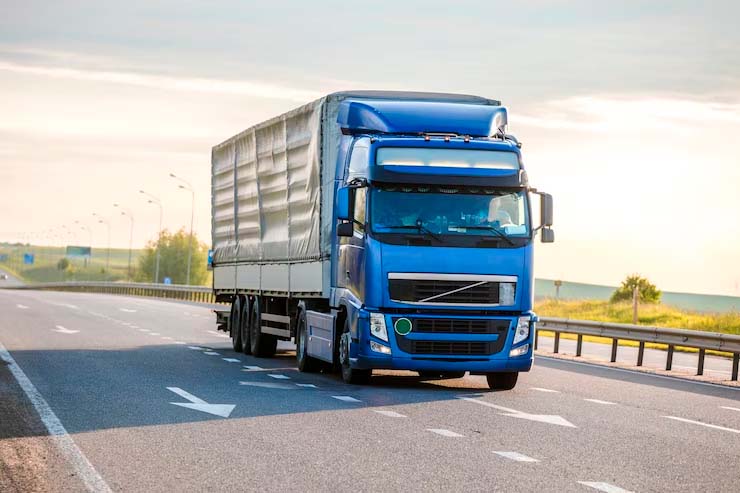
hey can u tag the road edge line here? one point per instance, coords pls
(64, 442)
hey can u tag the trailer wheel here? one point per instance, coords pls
(350, 375)
(244, 319)
(305, 362)
(502, 381)
(235, 324)
(263, 345)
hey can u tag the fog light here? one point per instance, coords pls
(519, 351)
(379, 348)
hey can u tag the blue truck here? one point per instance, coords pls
(380, 230)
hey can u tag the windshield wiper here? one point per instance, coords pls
(418, 226)
(500, 233)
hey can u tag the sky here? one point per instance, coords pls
(629, 112)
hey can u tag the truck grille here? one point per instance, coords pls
(447, 347)
(459, 326)
(444, 291)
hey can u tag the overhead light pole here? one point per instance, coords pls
(155, 200)
(90, 233)
(185, 185)
(127, 212)
(103, 220)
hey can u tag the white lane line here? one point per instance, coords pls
(445, 433)
(390, 414)
(716, 427)
(211, 353)
(134, 326)
(540, 389)
(167, 338)
(58, 434)
(252, 368)
(22, 307)
(277, 376)
(127, 310)
(154, 334)
(67, 305)
(306, 385)
(606, 487)
(143, 330)
(345, 398)
(180, 342)
(730, 408)
(269, 385)
(232, 360)
(196, 348)
(516, 456)
(599, 401)
(62, 330)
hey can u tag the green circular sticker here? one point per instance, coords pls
(403, 326)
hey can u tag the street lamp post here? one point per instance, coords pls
(102, 220)
(127, 212)
(157, 201)
(187, 186)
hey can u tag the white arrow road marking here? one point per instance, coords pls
(180, 342)
(445, 433)
(223, 410)
(606, 487)
(543, 418)
(252, 368)
(277, 376)
(306, 385)
(232, 360)
(599, 401)
(730, 408)
(270, 385)
(67, 305)
(127, 310)
(210, 353)
(345, 398)
(196, 348)
(153, 333)
(22, 307)
(167, 338)
(540, 389)
(716, 427)
(143, 330)
(515, 456)
(390, 414)
(62, 330)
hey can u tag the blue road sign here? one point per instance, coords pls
(210, 259)
(167, 280)
(28, 258)
(3, 257)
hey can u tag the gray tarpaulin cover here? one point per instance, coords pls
(267, 185)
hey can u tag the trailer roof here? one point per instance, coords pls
(417, 96)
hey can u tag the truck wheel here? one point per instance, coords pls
(263, 345)
(244, 318)
(235, 324)
(350, 375)
(305, 362)
(502, 381)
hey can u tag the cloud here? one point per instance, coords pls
(166, 82)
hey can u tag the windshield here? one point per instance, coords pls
(443, 211)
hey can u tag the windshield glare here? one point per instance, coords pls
(449, 211)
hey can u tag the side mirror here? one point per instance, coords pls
(548, 235)
(546, 210)
(344, 199)
(345, 229)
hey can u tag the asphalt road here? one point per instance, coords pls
(112, 371)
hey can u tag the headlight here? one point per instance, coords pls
(522, 330)
(506, 293)
(377, 326)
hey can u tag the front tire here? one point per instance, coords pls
(305, 362)
(235, 324)
(244, 319)
(502, 381)
(263, 345)
(350, 375)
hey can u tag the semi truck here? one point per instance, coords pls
(380, 230)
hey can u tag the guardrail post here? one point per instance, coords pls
(579, 344)
(669, 358)
(640, 353)
(556, 348)
(700, 366)
(615, 344)
(735, 364)
(536, 338)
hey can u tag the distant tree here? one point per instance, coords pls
(647, 292)
(173, 261)
(63, 264)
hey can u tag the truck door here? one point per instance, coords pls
(351, 268)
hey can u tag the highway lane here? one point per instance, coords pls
(107, 374)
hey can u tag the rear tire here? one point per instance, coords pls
(350, 375)
(235, 324)
(244, 319)
(263, 345)
(305, 362)
(502, 381)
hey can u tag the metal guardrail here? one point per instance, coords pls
(200, 294)
(642, 334)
